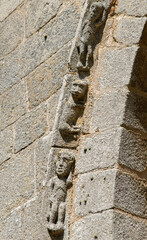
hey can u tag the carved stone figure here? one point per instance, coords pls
(72, 108)
(57, 190)
(94, 18)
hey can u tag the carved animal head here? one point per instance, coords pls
(79, 88)
(64, 162)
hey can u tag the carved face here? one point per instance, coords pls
(63, 166)
(78, 89)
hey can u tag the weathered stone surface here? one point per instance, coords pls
(52, 107)
(129, 110)
(12, 105)
(95, 192)
(7, 7)
(127, 228)
(49, 40)
(38, 13)
(129, 31)
(11, 226)
(11, 33)
(47, 78)
(96, 226)
(30, 127)
(17, 180)
(6, 144)
(42, 155)
(10, 69)
(115, 66)
(133, 151)
(99, 151)
(31, 221)
(130, 194)
(132, 7)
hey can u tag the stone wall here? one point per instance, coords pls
(108, 196)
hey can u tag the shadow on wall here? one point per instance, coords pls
(133, 147)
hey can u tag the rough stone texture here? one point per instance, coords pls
(42, 155)
(11, 32)
(12, 105)
(17, 180)
(47, 78)
(52, 107)
(129, 31)
(30, 127)
(10, 69)
(115, 67)
(96, 226)
(132, 7)
(95, 192)
(127, 228)
(11, 226)
(7, 7)
(130, 195)
(129, 110)
(132, 151)
(6, 144)
(38, 13)
(99, 151)
(49, 40)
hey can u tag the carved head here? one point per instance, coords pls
(79, 88)
(64, 162)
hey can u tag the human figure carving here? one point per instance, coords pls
(93, 21)
(72, 108)
(57, 189)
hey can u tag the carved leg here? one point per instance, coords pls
(53, 216)
(61, 214)
(89, 55)
(82, 55)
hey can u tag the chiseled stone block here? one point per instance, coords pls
(49, 40)
(38, 13)
(129, 31)
(17, 180)
(130, 194)
(11, 33)
(116, 107)
(95, 226)
(95, 192)
(30, 127)
(115, 66)
(6, 144)
(7, 7)
(132, 7)
(45, 80)
(10, 69)
(12, 105)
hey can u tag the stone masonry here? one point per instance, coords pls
(45, 51)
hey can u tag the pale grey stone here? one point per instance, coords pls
(95, 226)
(30, 127)
(52, 107)
(130, 194)
(95, 192)
(117, 107)
(115, 66)
(11, 33)
(45, 80)
(133, 151)
(49, 40)
(12, 105)
(132, 7)
(99, 150)
(128, 228)
(38, 13)
(129, 31)
(6, 144)
(17, 180)
(10, 69)
(42, 155)
(7, 7)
